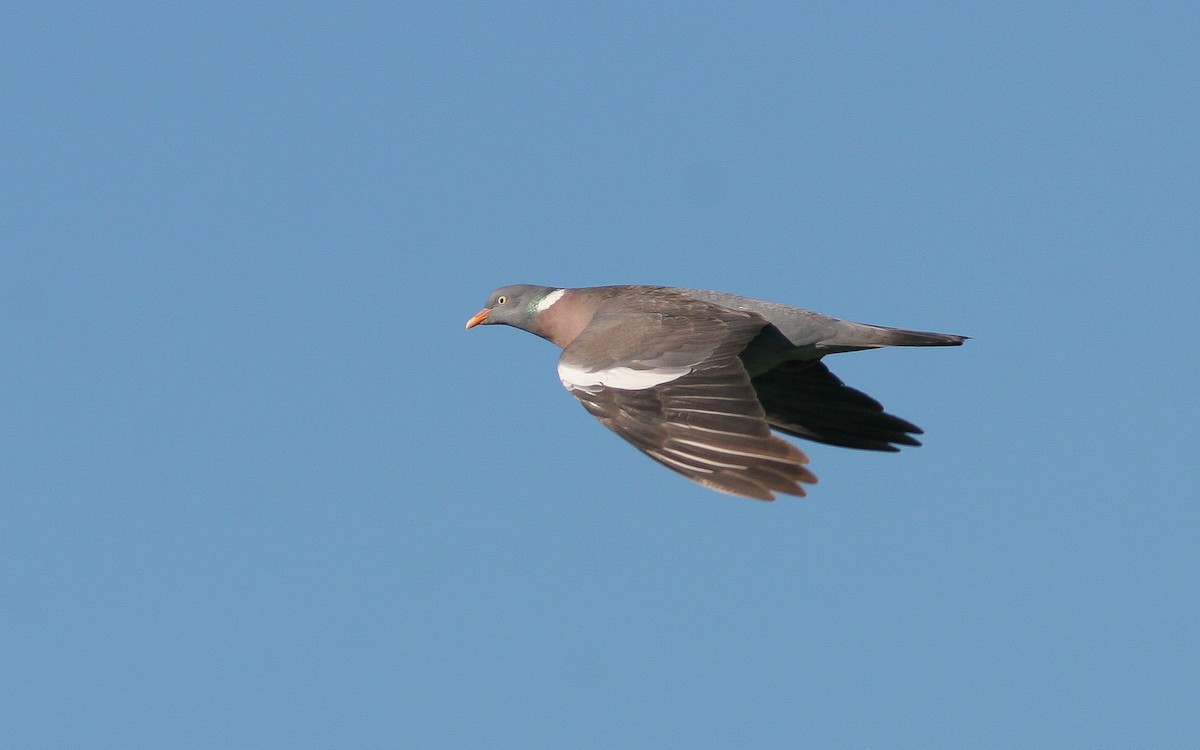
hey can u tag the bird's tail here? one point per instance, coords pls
(844, 336)
(902, 337)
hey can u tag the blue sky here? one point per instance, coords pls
(261, 490)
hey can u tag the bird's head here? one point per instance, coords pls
(518, 306)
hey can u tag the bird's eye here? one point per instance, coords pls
(501, 299)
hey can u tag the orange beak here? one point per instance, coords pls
(477, 318)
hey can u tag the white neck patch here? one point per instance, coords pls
(548, 301)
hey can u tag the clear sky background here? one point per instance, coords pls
(261, 490)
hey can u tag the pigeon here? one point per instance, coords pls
(698, 380)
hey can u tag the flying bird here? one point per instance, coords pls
(697, 380)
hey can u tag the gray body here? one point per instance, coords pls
(698, 379)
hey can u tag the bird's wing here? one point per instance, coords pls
(662, 371)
